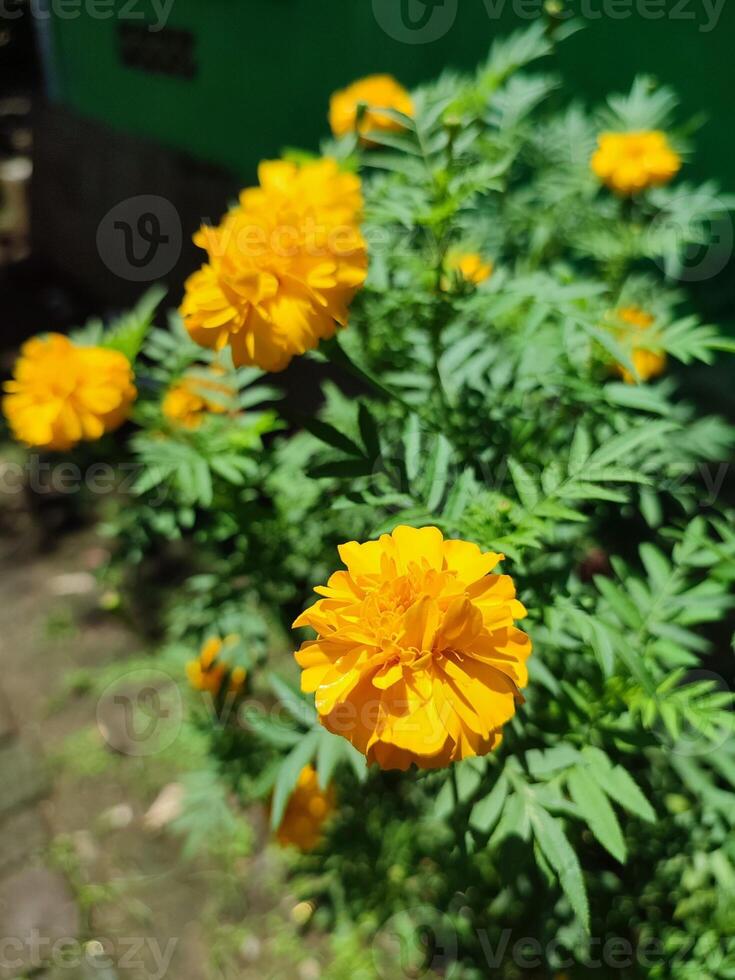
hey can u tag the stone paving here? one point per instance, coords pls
(156, 915)
(37, 908)
(135, 900)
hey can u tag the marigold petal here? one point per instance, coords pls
(417, 658)
(418, 544)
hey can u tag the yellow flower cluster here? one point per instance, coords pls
(417, 658)
(63, 393)
(471, 266)
(186, 404)
(211, 670)
(637, 332)
(283, 266)
(308, 809)
(631, 162)
(357, 107)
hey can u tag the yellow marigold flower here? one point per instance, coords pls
(417, 658)
(186, 403)
(283, 266)
(62, 393)
(631, 162)
(307, 811)
(471, 266)
(211, 671)
(358, 106)
(638, 334)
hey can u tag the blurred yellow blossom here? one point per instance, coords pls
(358, 106)
(631, 162)
(636, 331)
(307, 810)
(471, 266)
(283, 266)
(63, 393)
(211, 670)
(186, 403)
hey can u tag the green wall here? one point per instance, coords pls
(266, 67)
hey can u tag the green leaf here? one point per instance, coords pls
(128, 334)
(396, 141)
(412, 443)
(486, 813)
(289, 773)
(560, 854)
(657, 566)
(356, 760)
(271, 731)
(640, 397)
(459, 496)
(201, 490)
(620, 603)
(437, 473)
(368, 432)
(444, 802)
(543, 764)
(619, 784)
(595, 808)
(524, 484)
(328, 756)
(228, 470)
(293, 701)
(551, 479)
(333, 437)
(620, 447)
(340, 469)
(580, 449)
(513, 820)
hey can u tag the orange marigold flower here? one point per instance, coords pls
(358, 106)
(471, 266)
(307, 810)
(62, 394)
(417, 658)
(630, 162)
(186, 402)
(639, 336)
(211, 670)
(283, 266)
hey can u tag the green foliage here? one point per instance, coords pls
(128, 332)
(207, 822)
(495, 411)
